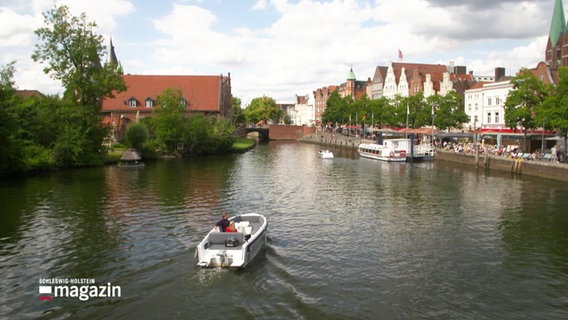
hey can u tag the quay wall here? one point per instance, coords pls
(279, 132)
(537, 168)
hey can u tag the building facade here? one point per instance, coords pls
(302, 113)
(408, 79)
(208, 95)
(353, 88)
(320, 101)
(485, 105)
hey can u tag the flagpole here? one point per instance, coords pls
(407, 113)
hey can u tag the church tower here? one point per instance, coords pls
(350, 84)
(556, 54)
(113, 60)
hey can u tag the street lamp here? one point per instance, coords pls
(475, 141)
(542, 143)
(432, 140)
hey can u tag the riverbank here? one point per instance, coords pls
(243, 145)
(334, 140)
(537, 168)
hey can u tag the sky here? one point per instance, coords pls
(284, 48)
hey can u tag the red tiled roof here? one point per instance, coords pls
(200, 92)
(29, 93)
(478, 85)
(435, 70)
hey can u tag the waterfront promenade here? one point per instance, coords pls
(537, 168)
(335, 140)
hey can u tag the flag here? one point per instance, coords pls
(45, 293)
(399, 54)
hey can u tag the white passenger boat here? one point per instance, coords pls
(392, 150)
(233, 249)
(325, 154)
(396, 150)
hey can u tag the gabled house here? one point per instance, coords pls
(407, 79)
(375, 88)
(320, 101)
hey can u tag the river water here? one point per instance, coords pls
(349, 238)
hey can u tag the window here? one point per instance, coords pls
(496, 117)
(497, 101)
(488, 117)
(149, 103)
(183, 102)
(488, 101)
(132, 103)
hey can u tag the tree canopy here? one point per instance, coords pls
(554, 115)
(524, 102)
(73, 53)
(262, 109)
(446, 111)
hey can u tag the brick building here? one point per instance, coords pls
(206, 94)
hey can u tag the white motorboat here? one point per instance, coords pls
(233, 249)
(396, 150)
(325, 154)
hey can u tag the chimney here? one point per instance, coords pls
(499, 73)
(461, 70)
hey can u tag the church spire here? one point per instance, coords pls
(113, 60)
(558, 24)
(112, 55)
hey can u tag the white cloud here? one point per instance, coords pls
(302, 45)
(259, 5)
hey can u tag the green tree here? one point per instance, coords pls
(448, 110)
(80, 136)
(73, 53)
(170, 125)
(136, 135)
(523, 102)
(398, 113)
(11, 151)
(238, 115)
(379, 111)
(335, 110)
(554, 113)
(221, 135)
(39, 129)
(7, 76)
(262, 109)
(419, 115)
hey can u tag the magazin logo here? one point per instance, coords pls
(83, 292)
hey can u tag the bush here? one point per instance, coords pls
(136, 135)
(39, 158)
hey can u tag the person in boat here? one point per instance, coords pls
(223, 223)
(231, 227)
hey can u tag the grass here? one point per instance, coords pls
(243, 144)
(114, 154)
